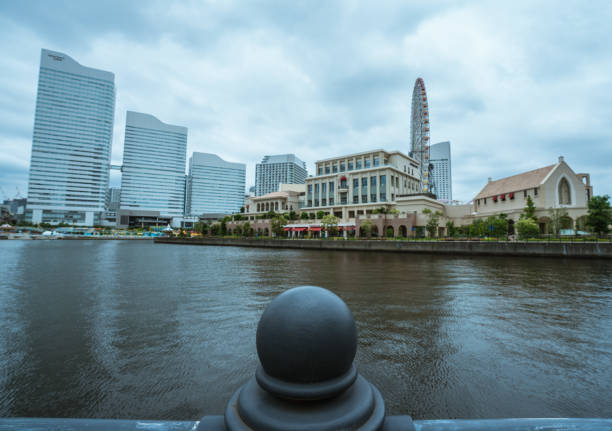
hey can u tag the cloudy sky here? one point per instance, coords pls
(512, 85)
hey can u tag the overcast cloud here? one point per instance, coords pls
(512, 85)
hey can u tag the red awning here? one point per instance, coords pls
(287, 229)
(299, 229)
(315, 228)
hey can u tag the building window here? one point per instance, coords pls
(535, 191)
(309, 202)
(565, 197)
(372, 189)
(350, 166)
(320, 170)
(323, 202)
(355, 199)
(383, 188)
(327, 169)
(331, 200)
(335, 169)
(343, 183)
(359, 164)
(376, 161)
(331, 188)
(323, 188)
(342, 167)
(524, 194)
(366, 163)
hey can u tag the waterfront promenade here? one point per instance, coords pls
(465, 248)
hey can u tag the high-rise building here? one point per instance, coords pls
(71, 143)
(276, 170)
(214, 185)
(153, 172)
(113, 199)
(441, 173)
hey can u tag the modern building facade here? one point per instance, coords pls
(276, 170)
(214, 185)
(71, 143)
(359, 183)
(153, 172)
(440, 158)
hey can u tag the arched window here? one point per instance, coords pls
(565, 198)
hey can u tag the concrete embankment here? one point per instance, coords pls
(544, 249)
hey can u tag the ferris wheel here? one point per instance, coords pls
(419, 136)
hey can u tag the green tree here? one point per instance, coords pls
(529, 211)
(241, 209)
(304, 216)
(556, 216)
(451, 230)
(366, 227)
(433, 219)
(293, 215)
(320, 214)
(277, 224)
(599, 214)
(496, 226)
(477, 228)
(237, 230)
(330, 224)
(313, 216)
(246, 229)
(527, 228)
(215, 229)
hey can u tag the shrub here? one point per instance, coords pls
(527, 228)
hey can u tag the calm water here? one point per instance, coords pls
(129, 329)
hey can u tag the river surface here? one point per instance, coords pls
(136, 330)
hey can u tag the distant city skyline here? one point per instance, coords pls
(532, 86)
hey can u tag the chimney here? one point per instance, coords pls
(561, 159)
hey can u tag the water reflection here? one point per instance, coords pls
(136, 330)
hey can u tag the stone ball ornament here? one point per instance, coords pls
(306, 342)
(306, 381)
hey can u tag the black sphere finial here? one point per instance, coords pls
(306, 342)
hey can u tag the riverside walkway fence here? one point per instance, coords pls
(307, 381)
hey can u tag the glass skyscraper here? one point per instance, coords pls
(275, 170)
(440, 157)
(153, 172)
(214, 186)
(71, 143)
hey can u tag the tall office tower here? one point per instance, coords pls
(71, 143)
(214, 186)
(113, 199)
(441, 161)
(275, 170)
(153, 172)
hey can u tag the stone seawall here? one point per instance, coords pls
(553, 249)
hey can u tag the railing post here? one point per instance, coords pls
(306, 380)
